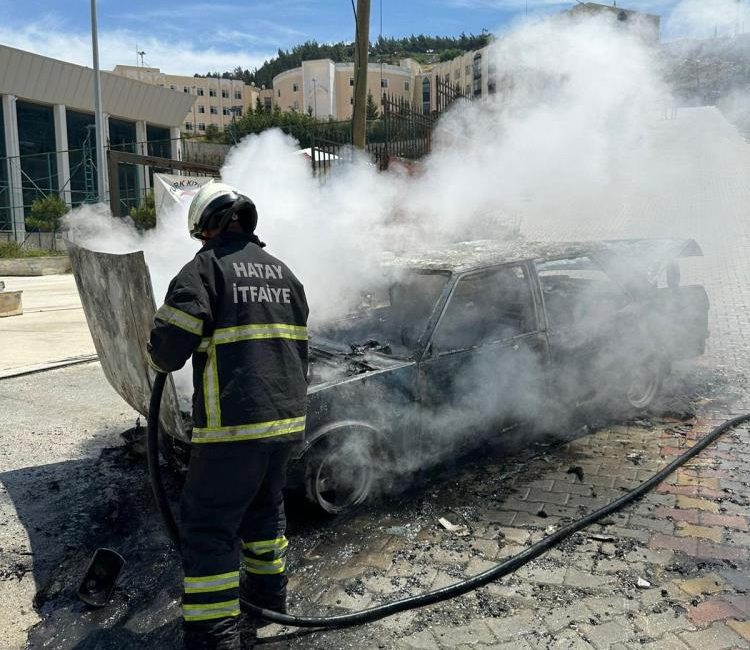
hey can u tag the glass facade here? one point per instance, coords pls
(82, 155)
(122, 138)
(6, 222)
(36, 135)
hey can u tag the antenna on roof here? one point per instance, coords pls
(139, 53)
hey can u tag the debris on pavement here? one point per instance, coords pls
(577, 470)
(458, 529)
(643, 584)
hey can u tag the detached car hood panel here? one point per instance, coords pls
(118, 302)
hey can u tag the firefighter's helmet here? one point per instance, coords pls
(216, 205)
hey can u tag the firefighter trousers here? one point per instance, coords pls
(232, 501)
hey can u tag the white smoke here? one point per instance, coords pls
(581, 141)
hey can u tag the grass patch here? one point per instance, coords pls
(13, 250)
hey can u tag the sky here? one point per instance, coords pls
(199, 36)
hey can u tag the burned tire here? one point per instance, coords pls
(340, 471)
(644, 385)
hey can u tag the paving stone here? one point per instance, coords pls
(515, 626)
(714, 609)
(473, 633)
(666, 642)
(691, 530)
(710, 483)
(602, 636)
(688, 503)
(657, 525)
(337, 597)
(716, 637)
(657, 624)
(535, 573)
(687, 545)
(515, 535)
(560, 618)
(741, 627)
(610, 606)
(740, 580)
(568, 640)
(711, 583)
(576, 578)
(488, 548)
(542, 496)
(660, 557)
(423, 640)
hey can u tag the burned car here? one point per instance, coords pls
(453, 345)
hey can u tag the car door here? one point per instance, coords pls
(485, 360)
(594, 328)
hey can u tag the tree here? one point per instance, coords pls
(144, 216)
(372, 109)
(47, 213)
(214, 134)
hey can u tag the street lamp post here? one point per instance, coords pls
(98, 114)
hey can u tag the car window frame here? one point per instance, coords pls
(598, 263)
(539, 316)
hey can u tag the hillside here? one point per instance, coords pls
(425, 49)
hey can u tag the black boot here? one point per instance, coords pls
(268, 592)
(220, 634)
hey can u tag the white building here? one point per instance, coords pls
(47, 135)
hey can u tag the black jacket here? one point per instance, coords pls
(242, 314)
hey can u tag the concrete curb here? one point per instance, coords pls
(34, 266)
(42, 367)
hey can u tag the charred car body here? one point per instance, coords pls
(454, 344)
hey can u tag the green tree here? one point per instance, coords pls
(372, 108)
(46, 214)
(144, 216)
(214, 134)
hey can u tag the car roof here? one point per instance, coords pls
(473, 255)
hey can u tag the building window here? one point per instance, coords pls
(211, 92)
(296, 105)
(426, 96)
(188, 126)
(351, 101)
(171, 87)
(225, 93)
(279, 92)
(214, 111)
(238, 94)
(185, 89)
(267, 103)
(201, 109)
(491, 77)
(295, 88)
(351, 81)
(477, 75)
(226, 110)
(407, 86)
(384, 83)
(200, 92)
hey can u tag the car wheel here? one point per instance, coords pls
(644, 384)
(340, 471)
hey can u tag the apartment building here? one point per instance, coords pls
(215, 101)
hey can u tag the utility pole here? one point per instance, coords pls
(361, 53)
(101, 164)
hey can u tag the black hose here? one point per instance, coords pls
(152, 453)
(451, 591)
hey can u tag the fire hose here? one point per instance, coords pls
(451, 591)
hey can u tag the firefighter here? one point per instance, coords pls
(242, 315)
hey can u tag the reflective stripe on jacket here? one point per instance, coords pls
(242, 314)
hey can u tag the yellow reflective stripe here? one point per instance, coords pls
(266, 546)
(249, 431)
(211, 611)
(260, 331)
(211, 390)
(207, 584)
(181, 319)
(258, 567)
(204, 345)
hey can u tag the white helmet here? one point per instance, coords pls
(211, 199)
